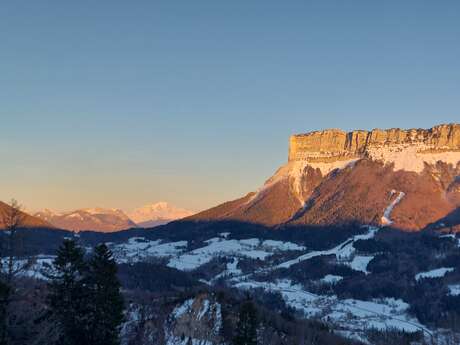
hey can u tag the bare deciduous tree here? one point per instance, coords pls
(12, 219)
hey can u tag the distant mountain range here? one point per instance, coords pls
(97, 219)
(110, 220)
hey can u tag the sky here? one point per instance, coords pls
(123, 103)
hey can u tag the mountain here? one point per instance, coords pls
(409, 179)
(27, 220)
(158, 213)
(97, 219)
(109, 220)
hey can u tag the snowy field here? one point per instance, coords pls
(139, 249)
(436, 273)
(343, 251)
(354, 315)
(33, 268)
(252, 248)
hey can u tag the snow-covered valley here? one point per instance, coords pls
(312, 281)
(349, 315)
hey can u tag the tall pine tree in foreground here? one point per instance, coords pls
(85, 298)
(246, 333)
(107, 301)
(68, 297)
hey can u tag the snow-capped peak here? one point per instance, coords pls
(158, 211)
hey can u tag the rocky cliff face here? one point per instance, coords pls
(404, 178)
(197, 320)
(335, 144)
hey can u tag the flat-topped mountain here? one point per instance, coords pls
(409, 179)
(332, 144)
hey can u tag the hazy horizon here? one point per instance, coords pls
(118, 105)
(125, 210)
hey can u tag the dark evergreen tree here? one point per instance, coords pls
(68, 296)
(106, 300)
(246, 332)
(4, 299)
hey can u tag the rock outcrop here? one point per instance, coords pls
(196, 321)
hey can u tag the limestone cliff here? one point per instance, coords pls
(335, 144)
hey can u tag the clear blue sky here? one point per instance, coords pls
(120, 103)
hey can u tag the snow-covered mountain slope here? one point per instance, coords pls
(96, 219)
(157, 213)
(334, 177)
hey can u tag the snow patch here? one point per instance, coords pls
(204, 309)
(182, 309)
(140, 249)
(231, 270)
(359, 263)
(436, 273)
(331, 279)
(454, 289)
(411, 157)
(386, 221)
(342, 252)
(251, 248)
(447, 235)
(282, 246)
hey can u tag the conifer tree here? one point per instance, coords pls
(106, 299)
(68, 297)
(247, 325)
(4, 298)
